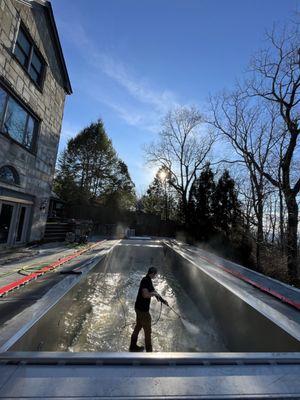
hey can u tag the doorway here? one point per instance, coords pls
(6, 214)
(14, 218)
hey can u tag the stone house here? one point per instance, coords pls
(33, 84)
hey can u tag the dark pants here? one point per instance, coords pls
(143, 320)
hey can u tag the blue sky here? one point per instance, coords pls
(130, 61)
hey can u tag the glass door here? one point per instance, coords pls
(21, 224)
(6, 216)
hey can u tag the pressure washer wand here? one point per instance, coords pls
(193, 329)
(167, 304)
(178, 315)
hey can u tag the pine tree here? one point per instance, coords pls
(160, 198)
(226, 206)
(64, 183)
(201, 204)
(89, 169)
(120, 192)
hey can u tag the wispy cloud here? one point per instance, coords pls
(133, 116)
(150, 103)
(140, 89)
(134, 98)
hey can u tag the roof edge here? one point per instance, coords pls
(68, 86)
(48, 6)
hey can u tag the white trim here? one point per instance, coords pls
(16, 33)
(15, 200)
(25, 2)
(30, 3)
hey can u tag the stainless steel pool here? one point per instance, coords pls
(97, 314)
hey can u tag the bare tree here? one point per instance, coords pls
(182, 149)
(250, 130)
(271, 153)
(277, 80)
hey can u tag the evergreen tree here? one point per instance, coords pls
(226, 206)
(120, 192)
(89, 169)
(153, 202)
(160, 198)
(201, 204)
(64, 183)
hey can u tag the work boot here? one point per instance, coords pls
(136, 348)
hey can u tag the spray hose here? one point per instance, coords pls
(35, 267)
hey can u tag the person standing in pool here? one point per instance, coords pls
(142, 305)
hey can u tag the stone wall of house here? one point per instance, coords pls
(36, 170)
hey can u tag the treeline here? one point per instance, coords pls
(230, 178)
(90, 172)
(214, 213)
(258, 124)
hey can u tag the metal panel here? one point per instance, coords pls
(243, 325)
(188, 382)
(244, 375)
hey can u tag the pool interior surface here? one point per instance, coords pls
(107, 305)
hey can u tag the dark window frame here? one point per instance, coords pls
(33, 49)
(30, 113)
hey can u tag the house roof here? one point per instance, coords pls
(58, 48)
(68, 86)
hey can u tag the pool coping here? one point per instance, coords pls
(16, 327)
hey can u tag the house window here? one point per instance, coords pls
(9, 175)
(16, 121)
(29, 56)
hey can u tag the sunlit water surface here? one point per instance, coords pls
(109, 315)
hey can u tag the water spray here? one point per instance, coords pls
(193, 329)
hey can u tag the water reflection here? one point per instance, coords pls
(109, 308)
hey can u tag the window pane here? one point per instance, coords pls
(21, 56)
(7, 175)
(23, 42)
(15, 121)
(2, 104)
(29, 132)
(37, 62)
(34, 75)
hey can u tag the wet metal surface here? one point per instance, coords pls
(41, 296)
(228, 315)
(142, 382)
(98, 314)
(111, 296)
